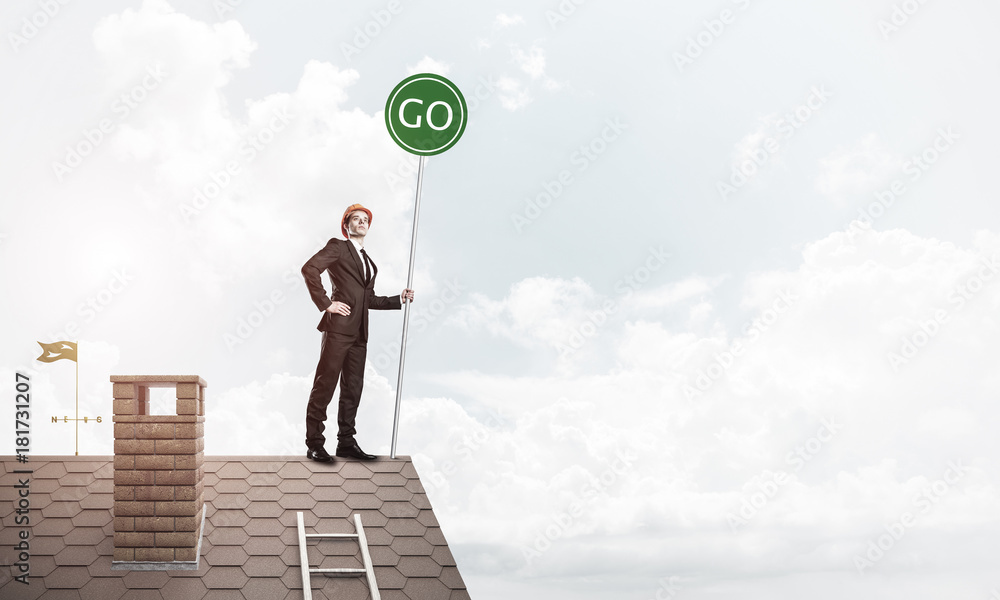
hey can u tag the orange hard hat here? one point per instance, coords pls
(347, 213)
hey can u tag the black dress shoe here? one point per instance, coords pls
(352, 450)
(319, 455)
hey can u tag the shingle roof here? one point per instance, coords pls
(250, 545)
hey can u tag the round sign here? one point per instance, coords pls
(426, 114)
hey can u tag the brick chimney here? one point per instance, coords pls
(159, 474)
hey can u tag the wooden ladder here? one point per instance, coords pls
(366, 558)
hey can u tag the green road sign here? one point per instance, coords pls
(426, 114)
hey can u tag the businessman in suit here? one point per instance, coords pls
(345, 331)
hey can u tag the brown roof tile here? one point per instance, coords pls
(296, 486)
(66, 577)
(266, 588)
(401, 527)
(411, 546)
(264, 527)
(92, 518)
(146, 580)
(232, 486)
(77, 479)
(359, 501)
(259, 510)
(229, 518)
(291, 556)
(223, 594)
(264, 566)
(355, 470)
(44, 486)
(77, 556)
(383, 556)
(389, 578)
(342, 588)
(233, 470)
(294, 470)
(47, 546)
(296, 501)
(69, 493)
(435, 537)
(230, 501)
(394, 493)
(96, 499)
(389, 479)
(272, 465)
(225, 577)
(442, 556)
(105, 588)
(63, 594)
(399, 510)
(102, 566)
(250, 545)
(51, 470)
(415, 486)
(372, 518)
(265, 546)
(426, 588)
(226, 556)
(186, 588)
(42, 566)
(102, 486)
(142, 595)
(228, 536)
(385, 464)
(272, 479)
(359, 486)
(378, 536)
(327, 479)
(420, 501)
(332, 510)
(55, 526)
(262, 493)
(329, 494)
(418, 566)
(452, 578)
(61, 509)
(426, 517)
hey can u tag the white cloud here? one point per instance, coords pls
(531, 61)
(513, 93)
(674, 292)
(750, 147)
(503, 20)
(691, 462)
(537, 310)
(428, 65)
(847, 173)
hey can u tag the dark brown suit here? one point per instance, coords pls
(345, 339)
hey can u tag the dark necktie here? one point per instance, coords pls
(368, 271)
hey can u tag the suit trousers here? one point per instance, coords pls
(340, 358)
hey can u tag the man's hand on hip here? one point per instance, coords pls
(339, 308)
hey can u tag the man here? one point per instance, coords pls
(345, 331)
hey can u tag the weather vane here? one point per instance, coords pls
(59, 351)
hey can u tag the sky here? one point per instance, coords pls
(706, 294)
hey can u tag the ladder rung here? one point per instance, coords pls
(366, 558)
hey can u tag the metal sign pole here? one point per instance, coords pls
(406, 307)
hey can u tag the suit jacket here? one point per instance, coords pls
(346, 270)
